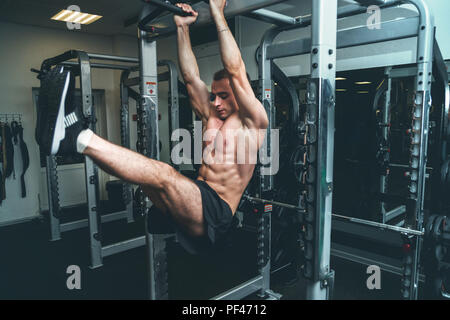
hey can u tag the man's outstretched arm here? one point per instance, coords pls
(252, 112)
(197, 90)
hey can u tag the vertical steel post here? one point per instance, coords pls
(320, 139)
(419, 145)
(267, 99)
(265, 175)
(149, 146)
(90, 168)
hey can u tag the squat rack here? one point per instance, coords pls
(317, 199)
(98, 252)
(82, 68)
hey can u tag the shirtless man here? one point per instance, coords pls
(203, 209)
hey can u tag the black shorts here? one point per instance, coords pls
(218, 222)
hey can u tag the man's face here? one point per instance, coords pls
(223, 98)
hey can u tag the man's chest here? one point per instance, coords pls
(221, 133)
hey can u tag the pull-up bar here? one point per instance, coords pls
(156, 7)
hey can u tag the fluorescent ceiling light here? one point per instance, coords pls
(363, 82)
(363, 92)
(75, 17)
(340, 79)
(81, 17)
(341, 90)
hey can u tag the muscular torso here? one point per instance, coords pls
(225, 168)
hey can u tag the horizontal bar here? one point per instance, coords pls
(403, 72)
(68, 55)
(272, 17)
(241, 291)
(232, 9)
(355, 220)
(168, 7)
(395, 165)
(380, 225)
(78, 224)
(394, 213)
(391, 30)
(114, 216)
(275, 203)
(101, 65)
(123, 246)
(366, 258)
(97, 56)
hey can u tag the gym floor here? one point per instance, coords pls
(35, 268)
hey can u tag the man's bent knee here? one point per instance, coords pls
(155, 198)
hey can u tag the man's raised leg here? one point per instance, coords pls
(166, 187)
(61, 130)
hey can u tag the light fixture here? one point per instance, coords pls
(363, 82)
(75, 17)
(363, 92)
(341, 90)
(340, 79)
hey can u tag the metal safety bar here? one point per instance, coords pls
(351, 219)
(241, 291)
(102, 66)
(273, 17)
(97, 56)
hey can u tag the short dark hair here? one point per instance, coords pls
(222, 74)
